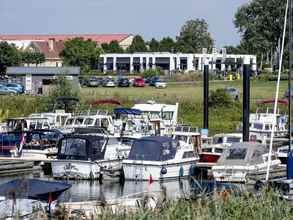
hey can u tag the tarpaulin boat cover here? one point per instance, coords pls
(290, 166)
(127, 111)
(33, 189)
(154, 148)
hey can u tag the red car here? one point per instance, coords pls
(138, 82)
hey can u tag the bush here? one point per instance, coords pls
(152, 72)
(220, 98)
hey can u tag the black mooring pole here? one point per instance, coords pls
(206, 95)
(290, 70)
(246, 98)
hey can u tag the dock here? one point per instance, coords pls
(11, 168)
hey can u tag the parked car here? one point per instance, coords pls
(138, 82)
(94, 82)
(160, 84)
(6, 90)
(16, 87)
(287, 93)
(233, 92)
(153, 80)
(123, 82)
(109, 82)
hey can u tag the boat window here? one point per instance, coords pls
(285, 150)
(237, 154)
(113, 141)
(150, 150)
(258, 126)
(32, 125)
(69, 121)
(97, 123)
(232, 140)
(167, 115)
(73, 149)
(207, 150)
(188, 154)
(181, 138)
(268, 127)
(218, 140)
(127, 141)
(88, 121)
(78, 121)
(218, 150)
(104, 123)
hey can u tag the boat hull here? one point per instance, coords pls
(209, 158)
(157, 171)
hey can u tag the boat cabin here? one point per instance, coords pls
(81, 147)
(57, 119)
(27, 123)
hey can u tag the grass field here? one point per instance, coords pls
(189, 96)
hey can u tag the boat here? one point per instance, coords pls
(38, 144)
(29, 198)
(261, 125)
(163, 116)
(27, 123)
(282, 153)
(240, 160)
(56, 119)
(158, 158)
(210, 153)
(90, 156)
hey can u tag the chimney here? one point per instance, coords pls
(51, 44)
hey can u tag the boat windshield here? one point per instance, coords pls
(218, 140)
(232, 140)
(181, 138)
(73, 149)
(237, 154)
(150, 150)
(69, 121)
(88, 121)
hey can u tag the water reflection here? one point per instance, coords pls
(93, 190)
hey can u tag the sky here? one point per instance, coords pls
(149, 18)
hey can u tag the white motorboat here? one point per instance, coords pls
(261, 124)
(210, 153)
(163, 116)
(56, 119)
(89, 156)
(241, 160)
(158, 158)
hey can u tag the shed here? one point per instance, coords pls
(36, 80)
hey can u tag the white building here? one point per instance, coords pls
(137, 62)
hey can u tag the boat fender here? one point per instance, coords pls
(164, 170)
(192, 170)
(181, 171)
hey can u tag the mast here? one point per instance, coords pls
(290, 70)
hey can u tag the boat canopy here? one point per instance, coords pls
(242, 154)
(127, 111)
(81, 147)
(33, 189)
(156, 148)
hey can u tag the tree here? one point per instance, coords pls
(167, 44)
(79, 52)
(112, 47)
(32, 57)
(234, 49)
(260, 23)
(154, 45)
(194, 36)
(9, 56)
(137, 45)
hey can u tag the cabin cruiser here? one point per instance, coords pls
(98, 118)
(158, 158)
(38, 144)
(187, 137)
(241, 160)
(27, 123)
(56, 119)
(163, 116)
(89, 156)
(210, 153)
(261, 124)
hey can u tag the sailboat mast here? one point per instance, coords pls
(290, 69)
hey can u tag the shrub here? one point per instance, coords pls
(220, 98)
(152, 72)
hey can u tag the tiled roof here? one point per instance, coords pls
(99, 38)
(44, 48)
